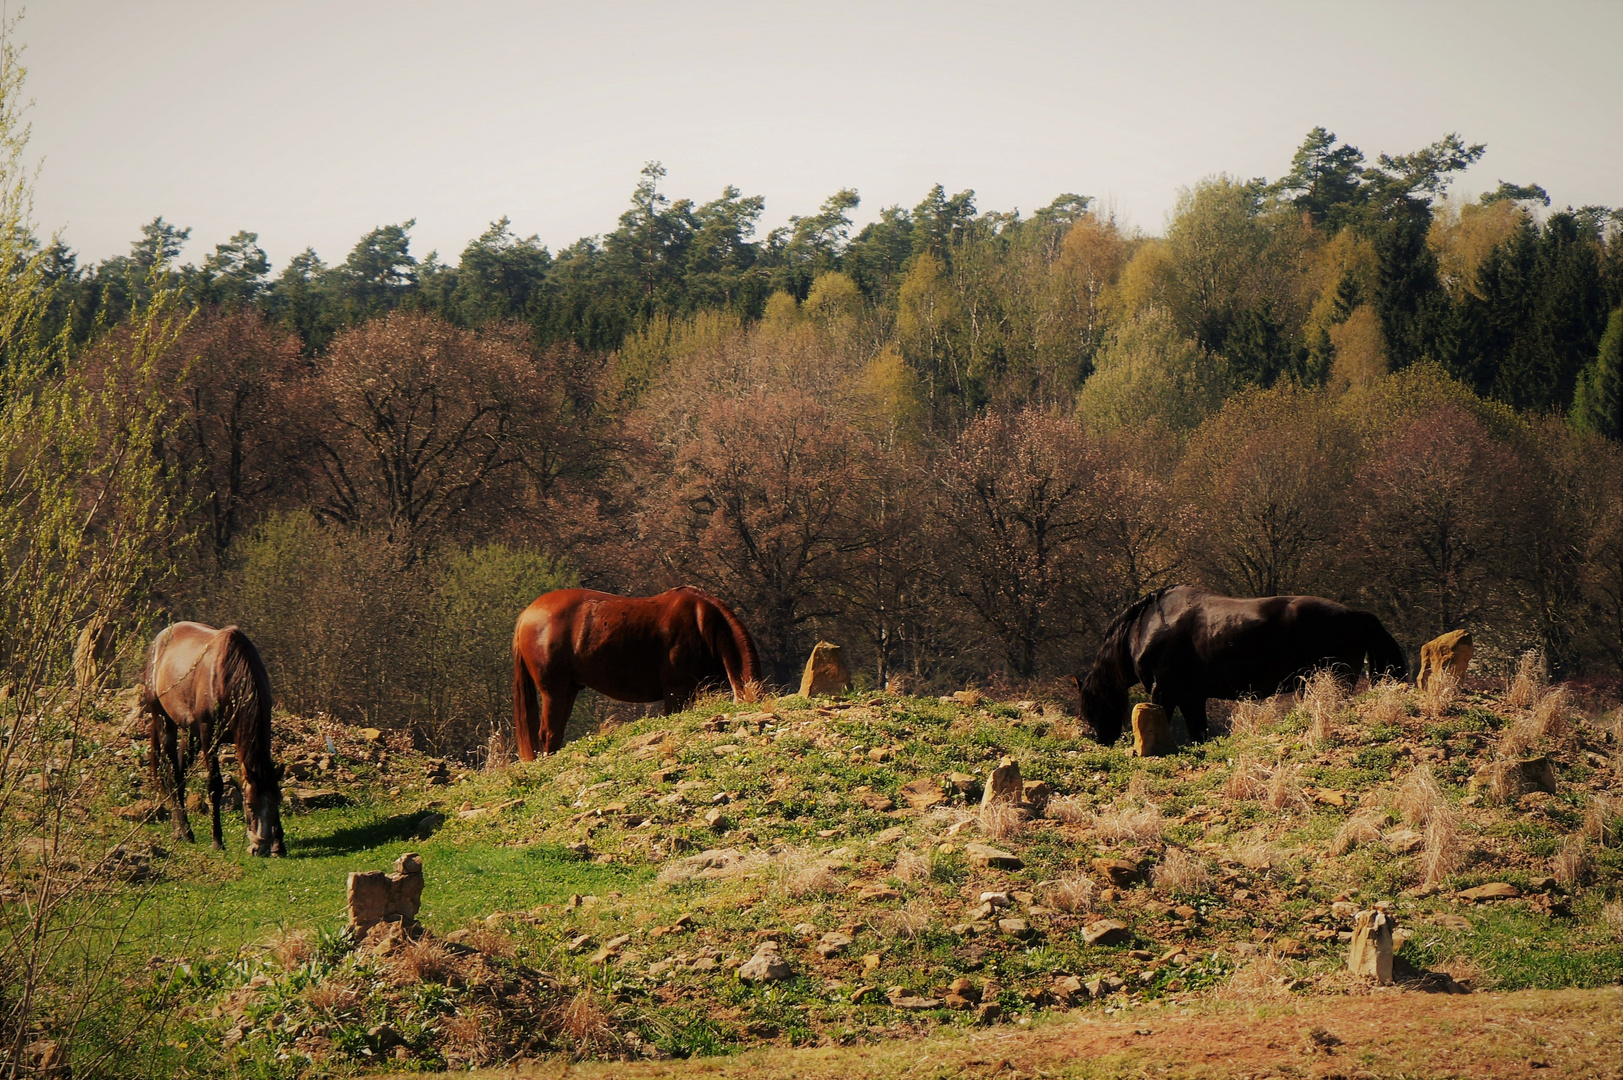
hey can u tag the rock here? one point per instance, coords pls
(1004, 785)
(1119, 872)
(923, 793)
(1404, 841)
(1016, 928)
(428, 824)
(1493, 890)
(376, 897)
(1069, 988)
(888, 836)
(724, 749)
(611, 948)
(303, 800)
(1152, 731)
(1034, 795)
(876, 802)
(708, 864)
(478, 812)
(863, 993)
(995, 899)
(965, 785)
(966, 697)
(902, 998)
(371, 734)
(879, 892)
(984, 855)
(1370, 952)
(715, 819)
(1449, 654)
(882, 753)
(91, 652)
(826, 673)
(988, 1011)
(1507, 781)
(1106, 932)
(961, 994)
(832, 943)
(142, 810)
(765, 966)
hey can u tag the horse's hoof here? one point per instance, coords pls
(218, 846)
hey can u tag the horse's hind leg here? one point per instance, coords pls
(1194, 715)
(557, 702)
(216, 792)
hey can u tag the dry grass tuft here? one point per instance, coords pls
(1518, 738)
(907, 921)
(1253, 853)
(1073, 893)
(1439, 694)
(1601, 820)
(1130, 823)
(1571, 865)
(1363, 827)
(1067, 809)
(290, 948)
(1002, 821)
(1285, 788)
(804, 872)
(1388, 705)
(911, 866)
(1264, 977)
(1249, 780)
(465, 1036)
(1181, 872)
(1419, 797)
(424, 960)
(1550, 713)
(1323, 699)
(329, 996)
(498, 749)
(1249, 716)
(586, 1024)
(1611, 916)
(1444, 851)
(1528, 682)
(1138, 788)
(491, 942)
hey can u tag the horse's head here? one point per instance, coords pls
(1104, 706)
(262, 810)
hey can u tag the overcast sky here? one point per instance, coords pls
(311, 123)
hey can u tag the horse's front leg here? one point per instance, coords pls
(1194, 715)
(177, 790)
(216, 789)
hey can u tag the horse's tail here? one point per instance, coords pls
(1386, 656)
(742, 662)
(241, 680)
(526, 707)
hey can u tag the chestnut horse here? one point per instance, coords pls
(1187, 645)
(630, 648)
(213, 683)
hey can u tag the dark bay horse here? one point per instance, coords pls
(213, 684)
(1187, 645)
(630, 648)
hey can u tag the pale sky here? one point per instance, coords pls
(313, 122)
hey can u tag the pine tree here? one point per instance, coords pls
(1598, 404)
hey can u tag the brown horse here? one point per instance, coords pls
(213, 683)
(630, 648)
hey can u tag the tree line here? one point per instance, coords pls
(956, 441)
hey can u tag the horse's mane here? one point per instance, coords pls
(240, 679)
(1104, 693)
(1118, 635)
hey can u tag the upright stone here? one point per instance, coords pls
(1152, 732)
(376, 897)
(825, 673)
(1370, 953)
(1450, 654)
(1004, 785)
(92, 651)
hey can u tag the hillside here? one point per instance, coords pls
(609, 901)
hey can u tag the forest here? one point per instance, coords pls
(956, 441)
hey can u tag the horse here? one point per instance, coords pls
(213, 683)
(630, 648)
(1187, 645)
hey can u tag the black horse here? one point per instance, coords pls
(1187, 645)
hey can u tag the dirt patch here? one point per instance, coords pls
(1566, 1033)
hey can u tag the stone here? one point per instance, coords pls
(984, 855)
(1034, 794)
(715, 819)
(961, 994)
(863, 993)
(372, 734)
(876, 802)
(965, 785)
(1069, 988)
(900, 997)
(888, 836)
(1016, 928)
(1152, 731)
(765, 966)
(1119, 872)
(1507, 781)
(966, 697)
(709, 864)
(826, 673)
(988, 1011)
(428, 824)
(1106, 932)
(1004, 784)
(303, 800)
(879, 892)
(376, 897)
(1493, 890)
(870, 961)
(923, 793)
(611, 949)
(1449, 654)
(833, 943)
(1404, 841)
(882, 753)
(91, 652)
(142, 810)
(1370, 951)
(477, 813)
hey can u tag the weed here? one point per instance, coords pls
(911, 867)
(1181, 872)
(1443, 852)
(498, 749)
(1611, 917)
(1263, 977)
(424, 960)
(1571, 865)
(1249, 780)
(1323, 699)
(1601, 820)
(1067, 809)
(290, 948)
(1250, 716)
(1551, 712)
(907, 921)
(1284, 790)
(1439, 694)
(1419, 796)
(1364, 827)
(803, 872)
(586, 1024)
(1001, 821)
(1388, 704)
